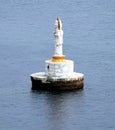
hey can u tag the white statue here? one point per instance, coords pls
(58, 34)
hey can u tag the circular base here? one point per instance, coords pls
(58, 58)
(41, 82)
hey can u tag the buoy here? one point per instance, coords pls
(59, 72)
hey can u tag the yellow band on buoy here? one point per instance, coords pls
(58, 59)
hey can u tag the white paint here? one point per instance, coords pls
(58, 35)
(44, 78)
(54, 69)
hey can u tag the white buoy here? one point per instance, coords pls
(59, 73)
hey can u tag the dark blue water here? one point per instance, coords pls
(26, 41)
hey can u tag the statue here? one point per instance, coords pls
(58, 34)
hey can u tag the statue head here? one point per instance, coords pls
(58, 24)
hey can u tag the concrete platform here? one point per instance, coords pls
(42, 82)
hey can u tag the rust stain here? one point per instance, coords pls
(58, 23)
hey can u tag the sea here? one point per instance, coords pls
(26, 41)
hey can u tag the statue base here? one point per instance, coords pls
(56, 58)
(42, 82)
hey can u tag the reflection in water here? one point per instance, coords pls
(60, 106)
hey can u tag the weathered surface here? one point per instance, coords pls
(55, 69)
(58, 35)
(42, 82)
